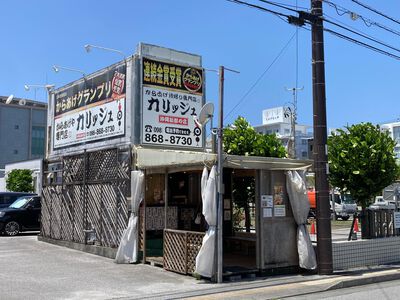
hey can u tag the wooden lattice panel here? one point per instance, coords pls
(73, 168)
(76, 194)
(91, 195)
(46, 211)
(56, 214)
(194, 241)
(175, 254)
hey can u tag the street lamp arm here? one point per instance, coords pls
(88, 48)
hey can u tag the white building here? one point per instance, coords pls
(276, 121)
(394, 131)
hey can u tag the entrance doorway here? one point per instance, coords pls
(240, 221)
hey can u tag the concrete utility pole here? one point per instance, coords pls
(324, 239)
(293, 120)
(220, 213)
(220, 179)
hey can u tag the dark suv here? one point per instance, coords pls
(7, 198)
(22, 215)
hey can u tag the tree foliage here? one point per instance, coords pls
(244, 140)
(20, 180)
(362, 161)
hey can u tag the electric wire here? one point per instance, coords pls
(362, 35)
(261, 76)
(345, 37)
(259, 7)
(366, 21)
(376, 11)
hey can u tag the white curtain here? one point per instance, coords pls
(205, 258)
(128, 248)
(297, 192)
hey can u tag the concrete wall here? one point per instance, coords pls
(363, 253)
(278, 244)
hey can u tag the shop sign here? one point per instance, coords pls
(172, 96)
(92, 110)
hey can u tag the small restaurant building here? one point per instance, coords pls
(127, 176)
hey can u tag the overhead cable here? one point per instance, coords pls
(376, 11)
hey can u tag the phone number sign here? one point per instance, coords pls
(168, 111)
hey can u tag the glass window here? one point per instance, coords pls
(396, 134)
(38, 140)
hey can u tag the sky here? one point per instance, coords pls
(361, 85)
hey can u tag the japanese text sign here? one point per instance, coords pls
(92, 110)
(171, 96)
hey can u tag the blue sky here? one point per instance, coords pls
(361, 85)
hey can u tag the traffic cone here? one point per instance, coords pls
(356, 229)
(313, 228)
(313, 232)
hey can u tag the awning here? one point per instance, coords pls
(166, 158)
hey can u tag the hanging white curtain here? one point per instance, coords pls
(205, 258)
(297, 192)
(128, 247)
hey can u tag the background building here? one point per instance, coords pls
(394, 131)
(22, 131)
(276, 121)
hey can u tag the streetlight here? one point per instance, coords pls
(88, 48)
(58, 68)
(48, 87)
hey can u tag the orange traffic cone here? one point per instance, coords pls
(356, 229)
(313, 228)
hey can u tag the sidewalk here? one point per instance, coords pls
(38, 270)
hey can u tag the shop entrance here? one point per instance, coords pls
(172, 202)
(240, 221)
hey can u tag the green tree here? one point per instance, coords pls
(20, 180)
(242, 139)
(362, 161)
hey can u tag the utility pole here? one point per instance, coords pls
(220, 213)
(220, 177)
(324, 239)
(293, 120)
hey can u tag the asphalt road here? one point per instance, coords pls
(30, 269)
(383, 291)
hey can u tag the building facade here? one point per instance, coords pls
(22, 131)
(275, 121)
(394, 131)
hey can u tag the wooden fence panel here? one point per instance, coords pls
(180, 250)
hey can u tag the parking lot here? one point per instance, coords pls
(36, 270)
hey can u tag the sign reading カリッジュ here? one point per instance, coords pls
(92, 110)
(172, 96)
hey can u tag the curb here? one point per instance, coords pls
(364, 281)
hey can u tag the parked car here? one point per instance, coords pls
(7, 198)
(381, 203)
(22, 215)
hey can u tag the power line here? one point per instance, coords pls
(259, 7)
(340, 10)
(261, 76)
(376, 11)
(345, 37)
(362, 35)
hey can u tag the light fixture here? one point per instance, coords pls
(9, 99)
(49, 87)
(58, 68)
(88, 48)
